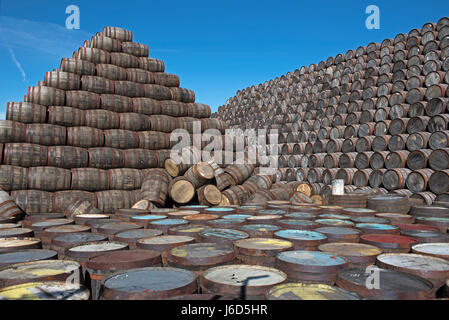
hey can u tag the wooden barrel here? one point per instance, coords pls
(146, 106)
(81, 207)
(49, 178)
(13, 178)
(112, 200)
(62, 80)
(376, 178)
(136, 49)
(67, 157)
(163, 123)
(33, 201)
(102, 119)
(103, 42)
(46, 134)
(97, 85)
(157, 92)
(418, 159)
(125, 179)
(77, 66)
(439, 159)
(118, 33)
(90, 179)
(378, 159)
(83, 100)
(152, 65)
(25, 112)
(155, 187)
(111, 72)
(362, 160)
(438, 123)
(65, 116)
(396, 178)
(417, 181)
(121, 139)
(153, 140)
(124, 60)
(398, 142)
(8, 209)
(210, 195)
(397, 159)
(361, 177)
(389, 203)
(46, 96)
(182, 95)
(62, 199)
(199, 174)
(134, 121)
(139, 159)
(139, 76)
(25, 155)
(417, 124)
(106, 158)
(166, 79)
(11, 131)
(198, 110)
(439, 140)
(128, 89)
(347, 160)
(439, 182)
(93, 55)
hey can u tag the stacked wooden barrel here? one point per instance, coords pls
(93, 128)
(375, 117)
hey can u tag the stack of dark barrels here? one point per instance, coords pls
(376, 117)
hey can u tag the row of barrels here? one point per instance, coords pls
(89, 137)
(49, 96)
(312, 142)
(345, 238)
(122, 77)
(117, 109)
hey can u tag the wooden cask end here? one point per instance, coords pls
(439, 182)
(396, 179)
(418, 180)
(200, 174)
(439, 159)
(181, 190)
(418, 159)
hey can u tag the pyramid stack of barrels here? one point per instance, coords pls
(376, 117)
(98, 129)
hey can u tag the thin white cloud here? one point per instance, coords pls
(42, 37)
(19, 66)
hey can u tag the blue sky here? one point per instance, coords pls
(216, 47)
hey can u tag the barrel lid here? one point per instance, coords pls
(188, 229)
(388, 197)
(150, 283)
(301, 215)
(169, 222)
(137, 234)
(202, 217)
(237, 216)
(244, 275)
(311, 261)
(223, 234)
(303, 291)
(388, 240)
(219, 210)
(26, 256)
(131, 212)
(300, 224)
(116, 227)
(338, 231)
(439, 250)
(77, 238)
(163, 243)
(226, 222)
(392, 284)
(359, 211)
(394, 216)
(95, 223)
(148, 217)
(200, 254)
(45, 291)
(269, 212)
(264, 218)
(260, 227)
(41, 225)
(9, 226)
(15, 233)
(416, 227)
(356, 250)
(376, 226)
(13, 244)
(71, 228)
(436, 220)
(370, 220)
(89, 249)
(85, 218)
(334, 216)
(44, 216)
(201, 297)
(426, 236)
(124, 260)
(193, 207)
(335, 222)
(162, 211)
(38, 269)
(262, 246)
(182, 213)
(302, 235)
(428, 265)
